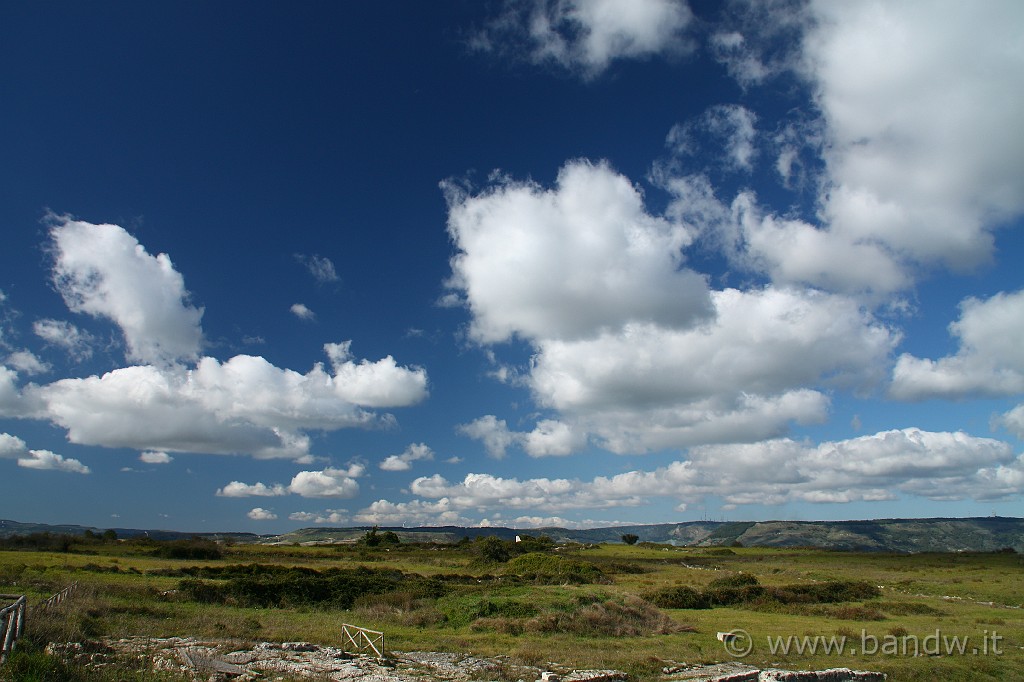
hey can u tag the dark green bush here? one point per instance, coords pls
(735, 580)
(679, 597)
(277, 586)
(549, 569)
(194, 550)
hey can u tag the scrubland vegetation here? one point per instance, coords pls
(637, 608)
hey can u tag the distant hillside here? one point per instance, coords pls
(982, 534)
(9, 528)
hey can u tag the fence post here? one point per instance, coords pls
(12, 623)
(361, 641)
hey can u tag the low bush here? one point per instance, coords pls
(276, 587)
(549, 569)
(628, 618)
(744, 589)
(679, 597)
(194, 549)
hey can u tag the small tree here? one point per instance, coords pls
(630, 538)
(371, 539)
(390, 537)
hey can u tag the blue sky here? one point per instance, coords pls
(544, 263)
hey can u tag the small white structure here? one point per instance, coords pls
(518, 539)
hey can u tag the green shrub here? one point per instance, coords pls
(735, 580)
(628, 618)
(194, 549)
(679, 597)
(548, 569)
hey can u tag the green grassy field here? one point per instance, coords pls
(582, 606)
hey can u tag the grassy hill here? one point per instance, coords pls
(981, 534)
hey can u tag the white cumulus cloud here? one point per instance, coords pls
(155, 457)
(330, 482)
(61, 333)
(934, 465)
(49, 461)
(403, 462)
(302, 312)
(990, 360)
(103, 271)
(586, 36)
(570, 261)
(261, 514)
(243, 405)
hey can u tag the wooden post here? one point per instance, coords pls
(360, 639)
(12, 623)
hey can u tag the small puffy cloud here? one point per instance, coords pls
(103, 271)
(330, 482)
(327, 516)
(757, 42)
(729, 127)
(1012, 421)
(375, 384)
(155, 457)
(49, 461)
(571, 261)
(11, 446)
(989, 361)
(493, 432)
(300, 311)
(403, 462)
(552, 438)
(327, 483)
(239, 489)
(588, 35)
(62, 334)
(27, 362)
(261, 514)
(320, 267)
(549, 438)
(417, 513)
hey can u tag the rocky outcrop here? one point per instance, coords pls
(209, 660)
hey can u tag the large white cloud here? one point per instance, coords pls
(569, 261)
(588, 35)
(103, 271)
(935, 465)
(923, 110)
(740, 377)
(919, 107)
(990, 360)
(244, 405)
(241, 405)
(628, 344)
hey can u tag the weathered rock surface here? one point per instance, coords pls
(740, 672)
(224, 660)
